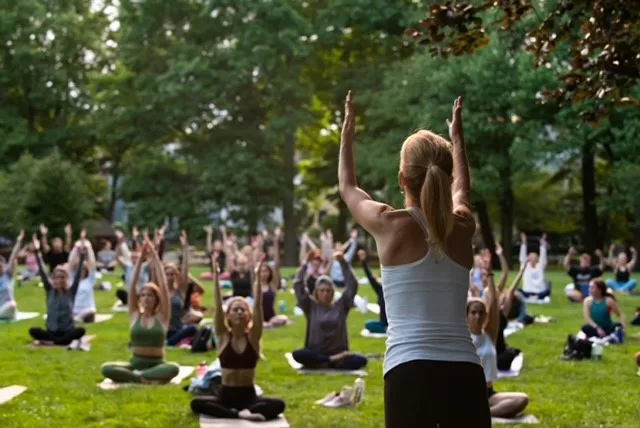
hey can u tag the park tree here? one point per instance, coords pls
(49, 50)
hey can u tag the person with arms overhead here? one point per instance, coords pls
(8, 305)
(58, 253)
(426, 254)
(581, 275)
(534, 283)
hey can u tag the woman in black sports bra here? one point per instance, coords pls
(238, 335)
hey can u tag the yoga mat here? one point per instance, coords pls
(117, 307)
(299, 368)
(522, 419)
(269, 327)
(21, 316)
(516, 367)
(367, 333)
(536, 301)
(99, 318)
(373, 307)
(35, 345)
(109, 385)
(513, 327)
(10, 392)
(208, 422)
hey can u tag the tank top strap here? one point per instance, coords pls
(419, 217)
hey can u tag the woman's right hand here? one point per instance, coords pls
(35, 242)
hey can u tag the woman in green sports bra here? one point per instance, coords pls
(597, 311)
(149, 315)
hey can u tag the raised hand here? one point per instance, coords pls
(455, 124)
(612, 248)
(572, 250)
(632, 250)
(135, 232)
(183, 238)
(354, 233)
(119, 235)
(83, 234)
(43, 230)
(349, 124)
(67, 229)
(208, 229)
(35, 242)
(543, 239)
(145, 233)
(523, 237)
(498, 249)
(21, 235)
(277, 232)
(339, 256)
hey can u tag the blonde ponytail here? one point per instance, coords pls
(436, 201)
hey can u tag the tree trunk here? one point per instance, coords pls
(507, 206)
(113, 197)
(486, 230)
(343, 218)
(288, 208)
(591, 231)
(636, 230)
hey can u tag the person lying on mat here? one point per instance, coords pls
(61, 329)
(269, 280)
(149, 315)
(379, 326)
(622, 269)
(582, 274)
(84, 306)
(8, 306)
(483, 320)
(597, 309)
(534, 283)
(327, 344)
(183, 321)
(238, 332)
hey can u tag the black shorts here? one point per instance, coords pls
(444, 394)
(237, 397)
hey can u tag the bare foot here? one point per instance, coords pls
(246, 414)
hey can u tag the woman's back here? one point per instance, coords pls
(426, 304)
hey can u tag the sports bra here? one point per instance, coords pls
(153, 337)
(230, 359)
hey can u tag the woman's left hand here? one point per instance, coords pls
(349, 124)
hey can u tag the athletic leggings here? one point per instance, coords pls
(153, 369)
(57, 337)
(123, 296)
(232, 399)
(429, 394)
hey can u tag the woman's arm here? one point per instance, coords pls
(504, 267)
(44, 231)
(43, 274)
(634, 258)
(221, 327)
(302, 294)
(586, 312)
(350, 282)
(523, 248)
(11, 265)
(492, 324)
(377, 287)
(367, 212)
(258, 314)
(91, 255)
(510, 293)
(78, 274)
(461, 187)
(567, 259)
(276, 258)
(209, 231)
(164, 314)
(543, 251)
(184, 270)
(68, 238)
(613, 305)
(133, 289)
(602, 260)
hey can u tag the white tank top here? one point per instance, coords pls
(488, 356)
(426, 309)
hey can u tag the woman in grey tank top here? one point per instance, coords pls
(427, 385)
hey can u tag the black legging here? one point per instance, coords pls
(429, 394)
(238, 398)
(123, 296)
(57, 337)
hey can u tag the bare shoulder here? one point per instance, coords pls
(589, 299)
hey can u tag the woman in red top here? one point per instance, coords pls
(238, 332)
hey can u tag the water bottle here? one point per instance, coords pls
(596, 351)
(202, 369)
(282, 306)
(358, 391)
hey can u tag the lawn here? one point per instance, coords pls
(62, 385)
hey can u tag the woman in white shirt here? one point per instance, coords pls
(431, 370)
(533, 282)
(483, 317)
(84, 306)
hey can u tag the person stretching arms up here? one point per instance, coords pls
(58, 253)
(533, 281)
(381, 325)
(61, 329)
(426, 255)
(622, 269)
(8, 306)
(84, 306)
(483, 318)
(582, 275)
(238, 332)
(149, 315)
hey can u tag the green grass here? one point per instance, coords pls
(62, 385)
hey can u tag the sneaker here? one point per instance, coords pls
(84, 346)
(73, 346)
(345, 399)
(330, 397)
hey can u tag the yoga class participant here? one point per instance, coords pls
(8, 305)
(426, 254)
(106, 260)
(149, 314)
(381, 325)
(349, 251)
(127, 260)
(582, 275)
(217, 246)
(269, 281)
(327, 344)
(58, 253)
(475, 277)
(622, 269)
(31, 261)
(84, 306)
(533, 282)
(483, 319)
(61, 329)
(238, 333)
(182, 324)
(597, 309)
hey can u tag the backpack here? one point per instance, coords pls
(203, 340)
(577, 349)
